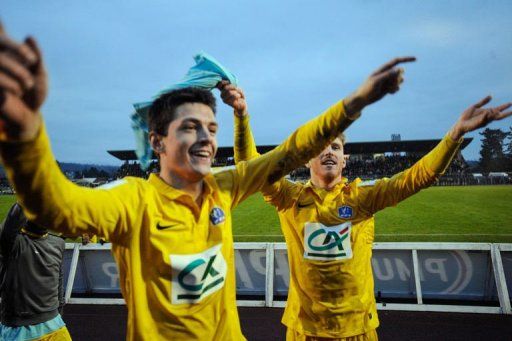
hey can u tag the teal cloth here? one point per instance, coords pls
(32, 332)
(205, 74)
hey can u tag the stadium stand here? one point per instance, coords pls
(366, 160)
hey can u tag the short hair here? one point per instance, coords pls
(163, 110)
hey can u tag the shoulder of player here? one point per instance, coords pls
(223, 176)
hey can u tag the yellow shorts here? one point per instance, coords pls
(61, 334)
(292, 335)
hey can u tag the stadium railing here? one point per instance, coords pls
(444, 277)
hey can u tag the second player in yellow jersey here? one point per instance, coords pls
(328, 225)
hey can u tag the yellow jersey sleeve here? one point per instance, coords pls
(282, 194)
(306, 142)
(245, 149)
(51, 200)
(378, 194)
(244, 146)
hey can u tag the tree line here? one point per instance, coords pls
(496, 151)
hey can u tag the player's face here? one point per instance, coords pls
(191, 143)
(330, 162)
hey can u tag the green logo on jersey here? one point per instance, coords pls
(200, 288)
(196, 276)
(332, 239)
(327, 242)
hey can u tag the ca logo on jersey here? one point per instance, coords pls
(197, 276)
(327, 243)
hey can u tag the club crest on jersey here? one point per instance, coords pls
(345, 212)
(327, 242)
(196, 276)
(217, 216)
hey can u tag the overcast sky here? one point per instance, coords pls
(292, 58)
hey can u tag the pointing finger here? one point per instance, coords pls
(482, 102)
(391, 64)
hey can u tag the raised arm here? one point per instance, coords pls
(47, 197)
(376, 195)
(244, 146)
(311, 138)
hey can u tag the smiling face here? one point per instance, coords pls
(329, 164)
(187, 152)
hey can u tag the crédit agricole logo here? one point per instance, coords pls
(327, 242)
(196, 276)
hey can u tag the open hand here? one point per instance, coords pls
(476, 117)
(23, 87)
(385, 80)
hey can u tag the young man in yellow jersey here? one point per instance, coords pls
(328, 225)
(171, 234)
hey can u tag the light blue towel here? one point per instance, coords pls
(31, 332)
(205, 74)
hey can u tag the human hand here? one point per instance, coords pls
(234, 97)
(386, 80)
(476, 117)
(23, 87)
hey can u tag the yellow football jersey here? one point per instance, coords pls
(329, 236)
(175, 259)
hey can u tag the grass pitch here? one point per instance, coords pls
(437, 214)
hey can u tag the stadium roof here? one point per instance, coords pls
(378, 147)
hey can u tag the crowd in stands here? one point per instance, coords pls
(382, 166)
(132, 168)
(388, 165)
(223, 161)
(364, 167)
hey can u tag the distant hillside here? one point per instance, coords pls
(78, 167)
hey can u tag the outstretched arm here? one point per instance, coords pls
(47, 197)
(311, 138)
(382, 193)
(23, 88)
(476, 117)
